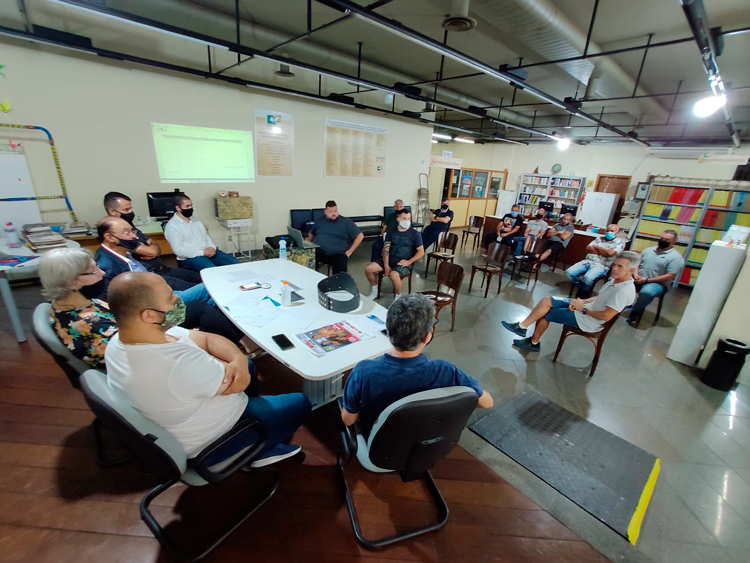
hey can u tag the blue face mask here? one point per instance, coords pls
(514, 213)
(609, 235)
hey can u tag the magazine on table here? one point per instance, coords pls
(330, 338)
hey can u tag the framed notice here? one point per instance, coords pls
(354, 150)
(274, 143)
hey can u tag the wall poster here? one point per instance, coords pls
(354, 150)
(274, 142)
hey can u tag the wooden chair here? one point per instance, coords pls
(658, 308)
(446, 251)
(381, 275)
(474, 229)
(596, 338)
(494, 263)
(449, 276)
(533, 248)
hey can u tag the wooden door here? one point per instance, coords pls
(614, 184)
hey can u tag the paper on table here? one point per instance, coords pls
(260, 314)
(242, 276)
(245, 300)
(300, 317)
(370, 324)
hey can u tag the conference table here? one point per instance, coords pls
(260, 316)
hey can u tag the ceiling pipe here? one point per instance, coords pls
(397, 28)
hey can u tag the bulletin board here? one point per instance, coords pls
(15, 182)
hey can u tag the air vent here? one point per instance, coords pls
(458, 19)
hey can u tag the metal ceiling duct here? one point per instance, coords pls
(458, 19)
(545, 29)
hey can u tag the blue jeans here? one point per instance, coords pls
(518, 241)
(647, 294)
(584, 274)
(195, 293)
(200, 262)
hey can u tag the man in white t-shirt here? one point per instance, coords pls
(190, 382)
(588, 315)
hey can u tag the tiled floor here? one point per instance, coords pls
(700, 510)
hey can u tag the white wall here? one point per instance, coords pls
(100, 115)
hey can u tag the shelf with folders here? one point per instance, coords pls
(699, 210)
(538, 188)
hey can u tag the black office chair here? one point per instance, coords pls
(161, 455)
(73, 368)
(409, 437)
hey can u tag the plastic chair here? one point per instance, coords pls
(446, 250)
(409, 437)
(161, 455)
(450, 276)
(532, 249)
(474, 229)
(596, 338)
(493, 263)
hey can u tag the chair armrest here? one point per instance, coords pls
(248, 425)
(348, 436)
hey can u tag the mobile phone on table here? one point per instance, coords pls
(249, 286)
(282, 342)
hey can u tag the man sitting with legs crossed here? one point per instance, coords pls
(588, 315)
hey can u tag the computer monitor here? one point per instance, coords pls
(301, 219)
(318, 213)
(161, 204)
(572, 209)
(548, 206)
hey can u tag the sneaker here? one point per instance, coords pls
(634, 319)
(373, 294)
(276, 454)
(527, 344)
(397, 297)
(515, 328)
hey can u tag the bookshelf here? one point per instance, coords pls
(701, 211)
(536, 188)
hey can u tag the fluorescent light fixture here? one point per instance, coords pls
(434, 142)
(563, 143)
(442, 136)
(710, 105)
(138, 24)
(462, 140)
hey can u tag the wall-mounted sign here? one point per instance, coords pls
(734, 159)
(445, 162)
(274, 142)
(448, 153)
(355, 150)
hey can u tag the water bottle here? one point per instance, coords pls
(286, 294)
(12, 236)
(282, 249)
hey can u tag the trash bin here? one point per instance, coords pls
(725, 364)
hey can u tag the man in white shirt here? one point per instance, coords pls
(190, 241)
(588, 315)
(601, 254)
(190, 382)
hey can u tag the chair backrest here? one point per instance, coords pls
(300, 218)
(47, 338)
(535, 245)
(156, 450)
(413, 434)
(448, 241)
(388, 209)
(451, 276)
(497, 254)
(608, 325)
(476, 222)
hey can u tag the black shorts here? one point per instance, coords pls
(555, 247)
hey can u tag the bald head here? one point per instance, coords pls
(132, 293)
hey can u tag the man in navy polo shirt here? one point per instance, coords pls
(337, 236)
(375, 384)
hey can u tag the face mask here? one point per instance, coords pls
(514, 213)
(187, 212)
(609, 235)
(539, 215)
(175, 316)
(404, 224)
(444, 207)
(129, 217)
(94, 290)
(663, 243)
(128, 244)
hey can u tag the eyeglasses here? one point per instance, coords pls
(96, 269)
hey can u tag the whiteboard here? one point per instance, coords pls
(15, 181)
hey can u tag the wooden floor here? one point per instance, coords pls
(57, 505)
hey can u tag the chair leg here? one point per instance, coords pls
(380, 284)
(442, 507)
(101, 457)
(598, 350)
(563, 336)
(499, 281)
(427, 266)
(409, 276)
(487, 276)
(658, 309)
(158, 531)
(471, 279)
(453, 312)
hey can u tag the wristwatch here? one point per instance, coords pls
(584, 311)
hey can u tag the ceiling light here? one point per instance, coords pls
(442, 136)
(563, 143)
(462, 140)
(434, 142)
(708, 106)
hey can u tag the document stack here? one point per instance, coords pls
(40, 236)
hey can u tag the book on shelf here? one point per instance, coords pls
(689, 276)
(697, 256)
(640, 244)
(671, 194)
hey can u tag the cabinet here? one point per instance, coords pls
(538, 188)
(474, 192)
(700, 211)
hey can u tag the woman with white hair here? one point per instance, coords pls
(84, 324)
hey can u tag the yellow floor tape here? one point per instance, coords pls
(634, 529)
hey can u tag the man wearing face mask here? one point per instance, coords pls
(660, 265)
(403, 246)
(194, 384)
(441, 222)
(190, 241)
(601, 254)
(117, 204)
(559, 237)
(508, 226)
(534, 229)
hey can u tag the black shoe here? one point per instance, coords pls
(515, 328)
(634, 319)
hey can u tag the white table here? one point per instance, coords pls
(322, 375)
(30, 266)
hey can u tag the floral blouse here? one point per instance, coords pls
(86, 331)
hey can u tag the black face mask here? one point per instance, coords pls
(663, 243)
(128, 244)
(187, 212)
(444, 207)
(539, 215)
(94, 290)
(128, 217)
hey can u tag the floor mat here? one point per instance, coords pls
(608, 477)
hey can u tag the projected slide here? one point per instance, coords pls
(194, 155)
